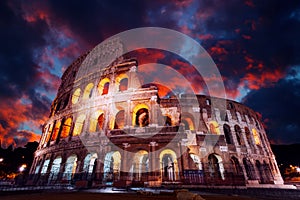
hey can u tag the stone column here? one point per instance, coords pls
(154, 114)
(125, 165)
(154, 166)
(128, 117)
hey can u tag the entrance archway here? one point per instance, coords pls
(169, 165)
(70, 167)
(112, 164)
(140, 166)
(216, 167)
(55, 168)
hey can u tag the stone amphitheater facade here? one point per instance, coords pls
(105, 128)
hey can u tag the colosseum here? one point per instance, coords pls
(106, 129)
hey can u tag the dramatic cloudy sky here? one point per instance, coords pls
(255, 45)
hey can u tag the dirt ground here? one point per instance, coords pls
(102, 196)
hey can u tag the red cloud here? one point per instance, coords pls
(255, 82)
(12, 115)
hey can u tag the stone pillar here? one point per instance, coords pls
(128, 117)
(154, 166)
(125, 165)
(154, 114)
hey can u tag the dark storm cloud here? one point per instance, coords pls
(19, 74)
(94, 21)
(18, 40)
(280, 107)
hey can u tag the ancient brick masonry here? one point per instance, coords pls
(105, 128)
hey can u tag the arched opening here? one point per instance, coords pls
(100, 122)
(45, 166)
(169, 166)
(236, 165)
(248, 136)
(249, 169)
(140, 166)
(88, 91)
(260, 170)
(66, 128)
(214, 127)
(120, 120)
(96, 121)
(216, 167)
(79, 125)
(55, 168)
(256, 136)
(142, 117)
(238, 133)
(70, 167)
(89, 165)
(267, 172)
(168, 121)
(188, 121)
(76, 95)
(55, 130)
(123, 84)
(112, 164)
(227, 133)
(103, 86)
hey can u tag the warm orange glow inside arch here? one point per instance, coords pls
(79, 125)
(136, 109)
(76, 95)
(94, 120)
(214, 127)
(87, 91)
(66, 128)
(189, 120)
(101, 86)
(56, 130)
(256, 136)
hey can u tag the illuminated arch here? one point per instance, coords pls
(76, 95)
(140, 165)
(88, 91)
(103, 86)
(79, 125)
(55, 130)
(112, 166)
(188, 121)
(137, 115)
(70, 167)
(121, 82)
(256, 136)
(214, 127)
(55, 168)
(66, 128)
(169, 165)
(94, 121)
(89, 162)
